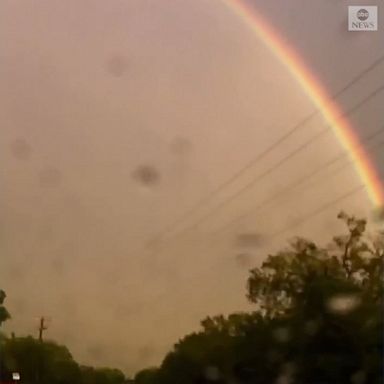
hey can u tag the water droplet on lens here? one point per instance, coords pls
(21, 150)
(117, 65)
(282, 335)
(343, 304)
(50, 177)
(146, 175)
(212, 373)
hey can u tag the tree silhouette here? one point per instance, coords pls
(4, 314)
(318, 319)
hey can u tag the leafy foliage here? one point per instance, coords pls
(92, 375)
(318, 319)
(49, 363)
(4, 314)
(147, 376)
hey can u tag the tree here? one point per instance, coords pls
(46, 362)
(40, 362)
(4, 314)
(330, 300)
(351, 261)
(318, 319)
(92, 375)
(147, 376)
(49, 363)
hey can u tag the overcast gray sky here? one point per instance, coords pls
(118, 117)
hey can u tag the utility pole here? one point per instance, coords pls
(39, 369)
(42, 328)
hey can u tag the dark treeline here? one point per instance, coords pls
(49, 363)
(46, 362)
(318, 319)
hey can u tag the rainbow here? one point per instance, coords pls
(330, 111)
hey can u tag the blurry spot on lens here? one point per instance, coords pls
(371, 322)
(181, 146)
(273, 356)
(343, 304)
(358, 378)
(288, 370)
(284, 379)
(212, 373)
(244, 260)
(282, 335)
(96, 352)
(146, 352)
(311, 327)
(250, 239)
(50, 177)
(146, 175)
(293, 220)
(21, 150)
(116, 65)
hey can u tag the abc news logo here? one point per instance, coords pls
(362, 18)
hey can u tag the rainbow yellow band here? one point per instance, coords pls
(331, 112)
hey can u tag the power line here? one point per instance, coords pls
(304, 219)
(327, 204)
(264, 153)
(319, 210)
(311, 214)
(304, 179)
(299, 149)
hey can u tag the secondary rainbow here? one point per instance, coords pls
(331, 112)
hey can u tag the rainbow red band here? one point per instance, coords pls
(330, 111)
